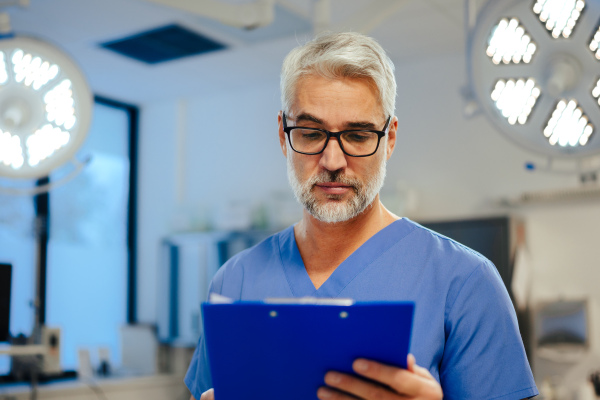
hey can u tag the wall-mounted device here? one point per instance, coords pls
(561, 335)
(562, 324)
(189, 261)
(51, 340)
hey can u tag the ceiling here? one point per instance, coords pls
(407, 29)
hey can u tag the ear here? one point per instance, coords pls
(282, 141)
(391, 142)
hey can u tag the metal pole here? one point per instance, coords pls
(42, 204)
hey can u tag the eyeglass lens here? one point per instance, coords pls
(356, 143)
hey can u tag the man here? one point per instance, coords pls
(337, 131)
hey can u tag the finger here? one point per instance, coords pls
(401, 380)
(410, 362)
(208, 395)
(359, 387)
(329, 394)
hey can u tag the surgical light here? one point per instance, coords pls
(45, 108)
(515, 99)
(559, 16)
(509, 42)
(533, 87)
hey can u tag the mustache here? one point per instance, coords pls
(334, 177)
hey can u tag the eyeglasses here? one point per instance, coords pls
(354, 143)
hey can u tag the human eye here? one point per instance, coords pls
(358, 136)
(310, 134)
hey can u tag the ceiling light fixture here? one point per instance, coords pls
(538, 96)
(45, 108)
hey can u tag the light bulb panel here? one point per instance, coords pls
(11, 151)
(559, 16)
(568, 126)
(3, 70)
(515, 99)
(596, 92)
(45, 108)
(509, 43)
(595, 43)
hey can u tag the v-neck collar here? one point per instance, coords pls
(298, 279)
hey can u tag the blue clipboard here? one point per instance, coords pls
(274, 351)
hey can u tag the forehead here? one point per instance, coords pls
(337, 99)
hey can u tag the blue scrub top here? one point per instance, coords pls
(465, 329)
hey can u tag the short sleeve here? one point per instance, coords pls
(484, 356)
(198, 379)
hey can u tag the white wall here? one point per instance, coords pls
(227, 155)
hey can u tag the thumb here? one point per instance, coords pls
(413, 367)
(411, 362)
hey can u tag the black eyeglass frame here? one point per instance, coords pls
(337, 135)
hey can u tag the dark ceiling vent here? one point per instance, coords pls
(163, 44)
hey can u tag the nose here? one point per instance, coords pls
(333, 158)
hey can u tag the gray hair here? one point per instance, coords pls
(340, 55)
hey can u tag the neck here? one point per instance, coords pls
(317, 238)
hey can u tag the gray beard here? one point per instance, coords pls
(336, 209)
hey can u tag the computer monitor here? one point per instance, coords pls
(488, 236)
(5, 283)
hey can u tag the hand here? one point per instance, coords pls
(396, 383)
